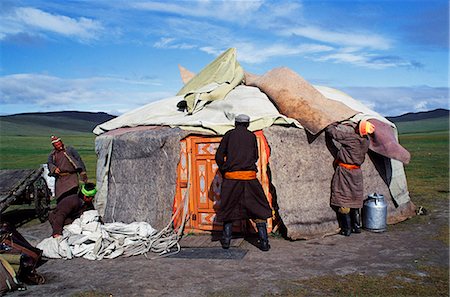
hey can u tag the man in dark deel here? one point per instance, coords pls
(347, 189)
(241, 196)
(65, 164)
(71, 207)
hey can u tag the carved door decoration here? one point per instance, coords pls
(198, 168)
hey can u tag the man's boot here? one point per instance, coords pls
(345, 222)
(227, 231)
(355, 219)
(263, 237)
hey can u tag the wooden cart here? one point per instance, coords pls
(25, 186)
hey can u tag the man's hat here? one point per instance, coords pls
(242, 118)
(54, 139)
(365, 127)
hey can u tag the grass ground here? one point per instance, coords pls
(30, 151)
(428, 171)
(434, 282)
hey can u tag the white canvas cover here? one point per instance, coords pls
(218, 116)
(215, 118)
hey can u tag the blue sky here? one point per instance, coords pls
(114, 56)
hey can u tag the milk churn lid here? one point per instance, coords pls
(376, 196)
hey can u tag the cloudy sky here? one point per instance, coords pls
(114, 56)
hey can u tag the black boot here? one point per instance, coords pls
(263, 237)
(355, 219)
(227, 231)
(345, 223)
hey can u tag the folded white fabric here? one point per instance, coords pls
(50, 246)
(86, 237)
(74, 228)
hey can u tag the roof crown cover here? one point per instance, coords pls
(214, 82)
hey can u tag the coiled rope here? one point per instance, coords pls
(163, 241)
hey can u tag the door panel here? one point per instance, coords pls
(197, 165)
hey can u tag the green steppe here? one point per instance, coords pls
(26, 145)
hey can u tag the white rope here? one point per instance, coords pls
(167, 237)
(163, 241)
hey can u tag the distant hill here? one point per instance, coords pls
(77, 122)
(415, 116)
(72, 122)
(422, 122)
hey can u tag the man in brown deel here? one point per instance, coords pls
(241, 196)
(347, 190)
(65, 164)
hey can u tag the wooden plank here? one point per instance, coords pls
(14, 182)
(11, 179)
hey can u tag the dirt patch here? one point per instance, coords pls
(413, 255)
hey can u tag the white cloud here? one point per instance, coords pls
(189, 34)
(421, 106)
(394, 101)
(171, 43)
(269, 35)
(361, 40)
(183, 33)
(367, 60)
(280, 10)
(35, 21)
(251, 53)
(219, 10)
(344, 58)
(44, 92)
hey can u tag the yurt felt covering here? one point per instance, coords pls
(142, 175)
(301, 169)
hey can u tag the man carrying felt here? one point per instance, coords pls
(347, 189)
(241, 196)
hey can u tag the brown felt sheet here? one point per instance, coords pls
(296, 98)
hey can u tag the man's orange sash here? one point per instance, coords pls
(348, 166)
(241, 175)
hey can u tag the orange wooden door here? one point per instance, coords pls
(198, 168)
(206, 182)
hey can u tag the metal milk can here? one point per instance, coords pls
(374, 213)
